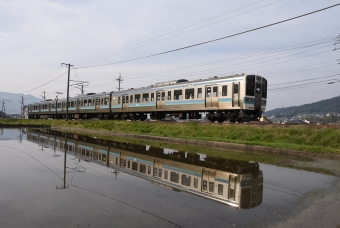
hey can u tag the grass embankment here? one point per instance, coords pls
(315, 139)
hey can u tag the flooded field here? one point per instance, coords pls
(53, 179)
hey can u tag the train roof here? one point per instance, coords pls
(156, 86)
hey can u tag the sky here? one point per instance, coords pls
(36, 37)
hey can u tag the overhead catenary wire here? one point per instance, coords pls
(309, 79)
(45, 83)
(242, 66)
(324, 82)
(210, 41)
(281, 50)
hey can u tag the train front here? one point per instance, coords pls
(255, 97)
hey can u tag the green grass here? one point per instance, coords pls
(314, 139)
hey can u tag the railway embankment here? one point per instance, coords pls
(311, 140)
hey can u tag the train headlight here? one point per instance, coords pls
(249, 99)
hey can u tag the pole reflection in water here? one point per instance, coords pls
(65, 146)
(232, 182)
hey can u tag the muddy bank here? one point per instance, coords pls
(234, 146)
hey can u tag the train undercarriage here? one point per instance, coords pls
(212, 116)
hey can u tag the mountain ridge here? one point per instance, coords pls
(331, 105)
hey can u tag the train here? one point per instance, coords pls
(234, 98)
(232, 182)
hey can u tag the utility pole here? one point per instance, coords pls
(119, 81)
(68, 86)
(44, 95)
(3, 110)
(22, 106)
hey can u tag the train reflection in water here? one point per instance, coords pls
(236, 183)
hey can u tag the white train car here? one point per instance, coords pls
(234, 98)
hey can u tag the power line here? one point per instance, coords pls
(310, 79)
(280, 50)
(130, 46)
(45, 83)
(328, 81)
(256, 63)
(214, 40)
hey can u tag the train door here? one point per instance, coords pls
(258, 94)
(125, 102)
(208, 180)
(122, 162)
(157, 168)
(232, 188)
(236, 94)
(211, 96)
(160, 100)
(97, 105)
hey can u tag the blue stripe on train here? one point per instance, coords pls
(139, 160)
(182, 170)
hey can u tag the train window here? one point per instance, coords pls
(204, 185)
(220, 189)
(163, 96)
(137, 98)
(129, 164)
(97, 101)
(224, 90)
(85, 102)
(258, 88)
(152, 96)
(149, 169)
(215, 91)
(142, 168)
(199, 92)
(155, 172)
(145, 97)
(160, 173)
(232, 193)
(134, 166)
(178, 95)
(211, 186)
(189, 94)
(158, 96)
(235, 88)
(250, 85)
(104, 157)
(264, 88)
(186, 180)
(169, 95)
(195, 183)
(131, 99)
(208, 93)
(174, 177)
(166, 174)
(106, 101)
(119, 100)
